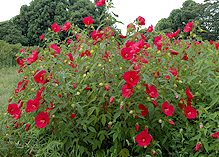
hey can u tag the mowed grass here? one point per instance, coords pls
(9, 78)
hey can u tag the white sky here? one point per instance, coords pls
(128, 10)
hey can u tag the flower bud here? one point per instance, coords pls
(154, 152)
(137, 127)
(111, 100)
(109, 126)
(27, 127)
(100, 84)
(131, 112)
(121, 106)
(201, 125)
(198, 146)
(107, 87)
(148, 99)
(177, 96)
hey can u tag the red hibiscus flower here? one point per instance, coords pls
(188, 27)
(129, 44)
(100, 3)
(197, 147)
(171, 122)
(55, 27)
(66, 26)
(157, 41)
(56, 48)
(167, 109)
(217, 45)
(72, 116)
(69, 41)
(151, 91)
(171, 35)
(144, 111)
(131, 77)
(41, 120)
(142, 36)
(131, 25)
(23, 50)
(141, 20)
(155, 103)
(87, 88)
(33, 57)
(39, 92)
(189, 94)
(39, 76)
(122, 36)
(70, 56)
(174, 72)
(174, 52)
(150, 29)
(88, 20)
(143, 139)
(215, 135)
(20, 62)
(181, 104)
(13, 109)
(41, 37)
(32, 105)
(127, 90)
(138, 46)
(19, 86)
(190, 112)
(27, 127)
(126, 54)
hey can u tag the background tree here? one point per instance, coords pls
(178, 18)
(10, 34)
(35, 19)
(209, 19)
(89, 9)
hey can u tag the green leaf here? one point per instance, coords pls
(206, 146)
(124, 152)
(103, 119)
(90, 111)
(92, 129)
(116, 116)
(93, 98)
(115, 135)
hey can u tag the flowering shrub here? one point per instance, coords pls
(95, 94)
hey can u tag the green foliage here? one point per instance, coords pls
(209, 20)
(9, 33)
(83, 121)
(77, 13)
(206, 14)
(35, 19)
(8, 53)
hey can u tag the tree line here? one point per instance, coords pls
(207, 14)
(35, 19)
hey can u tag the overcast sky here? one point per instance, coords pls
(128, 10)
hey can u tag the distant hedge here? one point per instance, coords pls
(8, 53)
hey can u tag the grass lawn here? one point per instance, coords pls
(9, 79)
